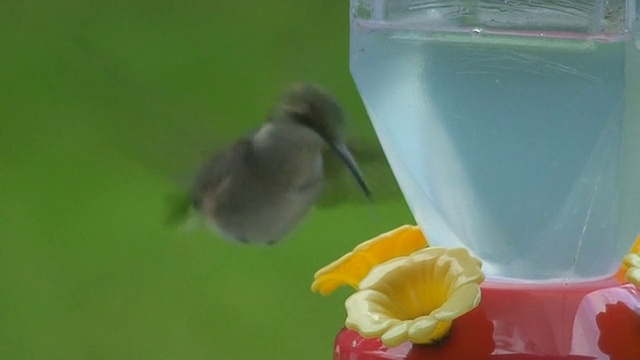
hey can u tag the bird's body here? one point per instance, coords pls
(263, 185)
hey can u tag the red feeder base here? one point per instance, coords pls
(578, 321)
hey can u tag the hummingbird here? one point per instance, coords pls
(166, 133)
(261, 186)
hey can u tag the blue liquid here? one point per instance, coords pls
(522, 149)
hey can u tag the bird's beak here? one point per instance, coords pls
(345, 155)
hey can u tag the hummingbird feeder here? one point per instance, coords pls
(513, 130)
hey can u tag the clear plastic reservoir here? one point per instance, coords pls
(513, 127)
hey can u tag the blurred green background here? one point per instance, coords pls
(98, 102)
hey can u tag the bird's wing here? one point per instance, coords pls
(153, 126)
(211, 174)
(341, 187)
(178, 208)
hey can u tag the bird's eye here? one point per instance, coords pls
(304, 118)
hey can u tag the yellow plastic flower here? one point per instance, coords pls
(633, 272)
(416, 297)
(631, 264)
(632, 261)
(352, 267)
